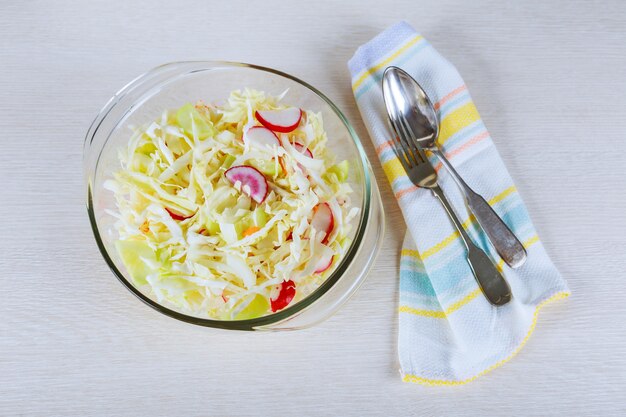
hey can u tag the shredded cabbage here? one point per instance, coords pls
(199, 243)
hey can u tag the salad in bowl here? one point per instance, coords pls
(231, 211)
(231, 196)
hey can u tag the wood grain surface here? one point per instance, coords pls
(549, 80)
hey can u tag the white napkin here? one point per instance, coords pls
(449, 333)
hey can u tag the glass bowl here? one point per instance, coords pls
(171, 85)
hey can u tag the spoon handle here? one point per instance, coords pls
(503, 239)
(490, 280)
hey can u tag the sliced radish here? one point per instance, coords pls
(285, 295)
(260, 136)
(323, 220)
(283, 121)
(302, 149)
(252, 181)
(177, 216)
(324, 263)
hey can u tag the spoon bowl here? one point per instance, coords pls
(412, 103)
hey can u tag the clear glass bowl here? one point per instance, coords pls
(170, 86)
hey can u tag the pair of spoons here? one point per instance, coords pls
(408, 103)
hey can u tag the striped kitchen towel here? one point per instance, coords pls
(449, 334)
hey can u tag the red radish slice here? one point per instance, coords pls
(283, 121)
(260, 136)
(323, 220)
(284, 297)
(252, 181)
(324, 263)
(302, 149)
(177, 216)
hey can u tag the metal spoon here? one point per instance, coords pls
(424, 124)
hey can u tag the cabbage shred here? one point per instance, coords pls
(201, 245)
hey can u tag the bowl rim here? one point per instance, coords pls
(247, 324)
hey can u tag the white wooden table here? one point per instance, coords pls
(549, 80)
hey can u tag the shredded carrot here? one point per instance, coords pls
(282, 164)
(250, 230)
(145, 227)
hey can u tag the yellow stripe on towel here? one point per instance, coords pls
(457, 120)
(393, 169)
(451, 238)
(385, 62)
(441, 314)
